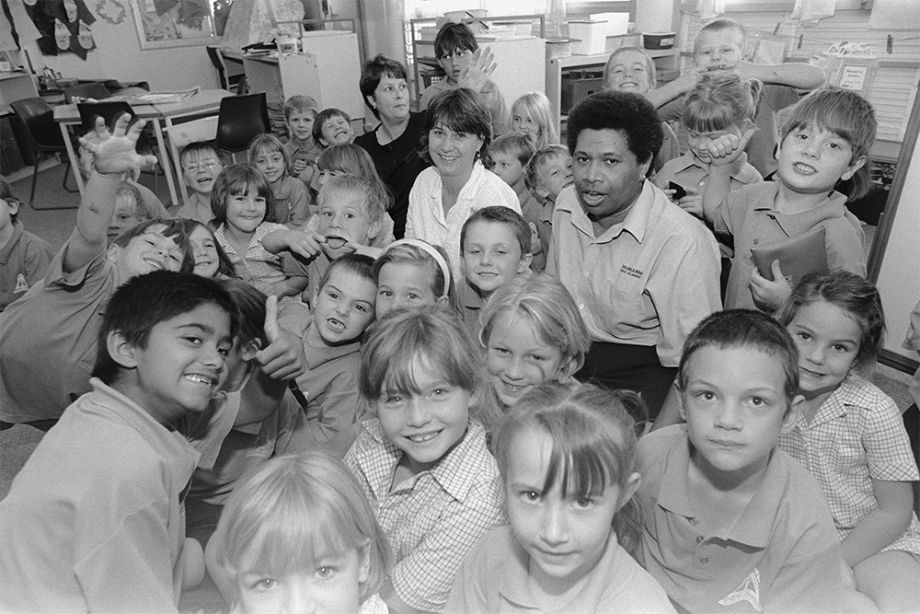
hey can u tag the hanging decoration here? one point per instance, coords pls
(63, 26)
(111, 11)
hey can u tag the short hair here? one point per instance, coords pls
(173, 229)
(846, 114)
(250, 305)
(625, 112)
(359, 264)
(593, 438)
(224, 264)
(323, 116)
(372, 192)
(198, 147)
(538, 159)
(650, 68)
(853, 294)
(721, 100)
(454, 36)
(144, 210)
(294, 510)
(238, 179)
(353, 159)
(374, 70)
(6, 193)
(402, 252)
(266, 144)
(744, 328)
(300, 103)
(460, 110)
(431, 335)
(537, 106)
(719, 25)
(144, 301)
(497, 214)
(517, 145)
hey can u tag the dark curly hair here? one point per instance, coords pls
(628, 113)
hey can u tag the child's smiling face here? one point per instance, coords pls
(517, 359)
(344, 307)
(300, 124)
(343, 217)
(812, 160)
(125, 216)
(200, 169)
(247, 210)
(492, 255)
(828, 339)
(205, 250)
(522, 123)
(270, 164)
(555, 174)
(149, 251)
(404, 284)
(718, 48)
(337, 131)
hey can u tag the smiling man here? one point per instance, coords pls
(642, 271)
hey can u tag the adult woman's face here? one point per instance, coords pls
(392, 98)
(629, 73)
(453, 153)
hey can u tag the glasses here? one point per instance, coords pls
(204, 165)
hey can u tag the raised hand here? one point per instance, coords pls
(283, 358)
(477, 73)
(115, 152)
(727, 148)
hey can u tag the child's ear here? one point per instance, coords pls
(442, 301)
(112, 253)
(567, 369)
(364, 562)
(13, 205)
(374, 230)
(792, 414)
(857, 164)
(680, 401)
(629, 489)
(248, 352)
(541, 191)
(121, 351)
(524, 264)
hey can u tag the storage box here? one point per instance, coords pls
(557, 47)
(577, 85)
(590, 36)
(617, 23)
(659, 40)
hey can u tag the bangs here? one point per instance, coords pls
(708, 118)
(243, 186)
(400, 377)
(453, 121)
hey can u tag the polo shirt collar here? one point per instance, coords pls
(636, 222)
(833, 206)
(687, 161)
(746, 173)
(468, 296)
(754, 526)
(318, 353)
(11, 244)
(450, 472)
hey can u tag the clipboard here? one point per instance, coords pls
(798, 256)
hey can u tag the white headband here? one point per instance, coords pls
(431, 251)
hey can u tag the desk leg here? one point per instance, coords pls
(164, 162)
(175, 159)
(74, 160)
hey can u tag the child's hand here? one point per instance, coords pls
(692, 202)
(304, 243)
(115, 152)
(283, 358)
(727, 148)
(477, 73)
(300, 165)
(770, 295)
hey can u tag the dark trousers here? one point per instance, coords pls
(619, 366)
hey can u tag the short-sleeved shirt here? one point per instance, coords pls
(303, 150)
(646, 281)
(48, 339)
(540, 218)
(196, 207)
(495, 578)
(398, 163)
(856, 436)
(490, 95)
(433, 519)
(912, 342)
(427, 221)
(24, 261)
(780, 555)
(257, 266)
(689, 172)
(748, 215)
(291, 201)
(471, 304)
(92, 523)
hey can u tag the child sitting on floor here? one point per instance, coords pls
(510, 154)
(548, 171)
(200, 164)
(291, 201)
(332, 127)
(411, 274)
(302, 150)
(24, 257)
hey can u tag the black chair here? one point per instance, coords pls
(241, 119)
(110, 112)
(233, 83)
(38, 134)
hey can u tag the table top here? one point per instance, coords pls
(204, 100)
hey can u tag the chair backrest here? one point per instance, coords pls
(240, 119)
(38, 125)
(108, 111)
(95, 90)
(218, 61)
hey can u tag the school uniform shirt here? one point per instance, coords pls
(748, 215)
(490, 96)
(495, 578)
(689, 172)
(856, 436)
(780, 555)
(92, 522)
(257, 266)
(540, 219)
(912, 342)
(48, 339)
(196, 207)
(426, 219)
(471, 304)
(308, 151)
(24, 261)
(646, 281)
(433, 519)
(291, 201)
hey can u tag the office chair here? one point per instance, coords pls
(233, 83)
(110, 112)
(37, 130)
(239, 120)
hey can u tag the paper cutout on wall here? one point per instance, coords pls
(62, 24)
(111, 11)
(16, 28)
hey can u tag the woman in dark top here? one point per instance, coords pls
(393, 145)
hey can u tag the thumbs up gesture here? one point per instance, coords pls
(283, 357)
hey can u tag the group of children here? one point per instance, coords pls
(275, 391)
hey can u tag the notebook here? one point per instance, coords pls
(798, 256)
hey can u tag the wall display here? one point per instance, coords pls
(173, 23)
(63, 26)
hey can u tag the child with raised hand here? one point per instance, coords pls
(532, 116)
(24, 257)
(730, 520)
(850, 435)
(332, 127)
(494, 249)
(510, 154)
(93, 521)
(130, 210)
(567, 457)
(52, 330)
(412, 273)
(200, 164)
(548, 171)
(210, 258)
(244, 216)
(422, 460)
(299, 117)
(289, 196)
(825, 140)
(298, 535)
(532, 332)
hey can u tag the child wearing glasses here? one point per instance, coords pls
(200, 165)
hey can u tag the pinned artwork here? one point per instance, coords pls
(111, 11)
(63, 26)
(173, 23)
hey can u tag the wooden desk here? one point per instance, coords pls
(161, 116)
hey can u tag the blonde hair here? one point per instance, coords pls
(721, 101)
(537, 106)
(268, 143)
(295, 510)
(650, 69)
(412, 251)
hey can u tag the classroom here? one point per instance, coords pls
(459, 306)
